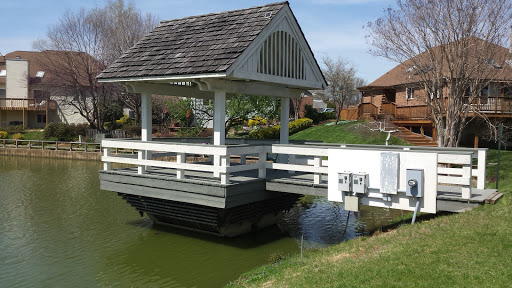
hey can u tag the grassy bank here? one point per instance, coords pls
(353, 133)
(472, 249)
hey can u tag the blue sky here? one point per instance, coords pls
(332, 27)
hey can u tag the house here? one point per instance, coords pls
(400, 97)
(28, 93)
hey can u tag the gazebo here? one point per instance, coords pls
(256, 51)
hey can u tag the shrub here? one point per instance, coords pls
(133, 131)
(300, 125)
(3, 135)
(18, 136)
(124, 121)
(257, 121)
(58, 130)
(78, 129)
(311, 113)
(273, 132)
(13, 129)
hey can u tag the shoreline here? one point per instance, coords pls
(57, 154)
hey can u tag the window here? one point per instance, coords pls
(409, 93)
(41, 118)
(436, 92)
(485, 91)
(507, 92)
(2, 93)
(3, 72)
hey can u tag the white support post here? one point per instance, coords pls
(106, 165)
(317, 176)
(141, 169)
(180, 158)
(224, 163)
(291, 160)
(284, 131)
(219, 118)
(219, 128)
(147, 125)
(243, 159)
(480, 181)
(262, 161)
(466, 173)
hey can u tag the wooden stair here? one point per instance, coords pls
(414, 138)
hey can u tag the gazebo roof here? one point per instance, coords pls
(263, 43)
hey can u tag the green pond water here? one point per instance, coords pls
(58, 229)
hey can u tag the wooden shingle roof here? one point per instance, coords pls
(194, 45)
(403, 75)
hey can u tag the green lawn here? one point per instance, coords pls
(350, 133)
(471, 249)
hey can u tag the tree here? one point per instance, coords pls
(451, 48)
(240, 107)
(297, 103)
(88, 41)
(342, 83)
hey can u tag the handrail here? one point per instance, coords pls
(27, 103)
(308, 158)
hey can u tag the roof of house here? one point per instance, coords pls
(194, 45)
(402, 74)
(48, 62)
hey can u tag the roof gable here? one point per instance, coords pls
(280, 54)
(194, 45)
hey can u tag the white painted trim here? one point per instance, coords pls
(300, 168)
(285, 14)
(160, 78)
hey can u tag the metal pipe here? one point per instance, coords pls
(416, 210)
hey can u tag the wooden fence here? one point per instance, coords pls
(51, 145)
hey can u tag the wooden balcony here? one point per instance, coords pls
(19, 104)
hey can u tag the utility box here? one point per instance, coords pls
(345, 182)
(360, 183)
(352, 203)
(389, 172)
(414, 182)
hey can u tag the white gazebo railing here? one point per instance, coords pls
(455, 168)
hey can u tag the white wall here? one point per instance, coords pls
(17, 78)
(65, 113)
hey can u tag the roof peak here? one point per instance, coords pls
(227, 11)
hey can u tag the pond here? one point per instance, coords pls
(58, 229)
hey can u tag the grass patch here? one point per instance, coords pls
(33, 135)
(471, 249)
(349, 133)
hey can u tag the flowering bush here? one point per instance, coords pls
(273, 132)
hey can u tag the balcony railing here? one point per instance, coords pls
(27, 104)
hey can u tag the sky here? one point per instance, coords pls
(333, 28)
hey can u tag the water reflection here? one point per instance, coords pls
(58, 229)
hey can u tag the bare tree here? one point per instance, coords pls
(342, 81)
(81, 45)
(122, 27)
(451, 49)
